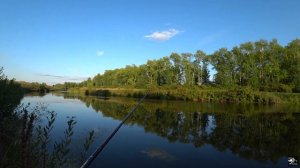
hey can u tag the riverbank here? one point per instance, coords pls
(199, 94)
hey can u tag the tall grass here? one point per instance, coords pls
(29, 149)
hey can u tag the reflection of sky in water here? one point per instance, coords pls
(132, 146)
(87, 119)
(211, 124)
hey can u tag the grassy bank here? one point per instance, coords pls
(200, 94)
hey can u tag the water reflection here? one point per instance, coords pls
(262, 133)
(159, 154)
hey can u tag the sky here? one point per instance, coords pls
(69, 40)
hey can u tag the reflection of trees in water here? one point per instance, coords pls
(249, 134)
(261, 136)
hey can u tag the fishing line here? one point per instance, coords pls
(88, 162)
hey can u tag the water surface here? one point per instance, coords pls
(178, 133)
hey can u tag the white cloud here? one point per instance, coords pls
(100, 53)
(65, 78)
(163, 35)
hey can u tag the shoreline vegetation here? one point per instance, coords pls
(261, 72)
(236, 95)
(24, 139)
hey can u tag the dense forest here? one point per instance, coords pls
(261, 65)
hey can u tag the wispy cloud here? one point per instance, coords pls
(100, 53)
(163, 35)
(66, 78)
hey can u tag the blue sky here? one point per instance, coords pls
(55, 41)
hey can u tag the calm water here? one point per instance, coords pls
(179, 134)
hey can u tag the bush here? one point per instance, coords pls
(87, 92)
(284, 88)
(296, 89)
(103, 93)
(29, 147)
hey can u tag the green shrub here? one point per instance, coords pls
(284, 88)
(87, 92)
(296, 89)
(29, 147)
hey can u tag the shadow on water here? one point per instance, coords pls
(262, 133)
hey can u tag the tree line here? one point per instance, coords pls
(34, 87)
(262, 65)
(176, 69)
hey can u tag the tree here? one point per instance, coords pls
(223, 62)
(249, 68)
(199, 67)
(261, 65)
(292, 64)
(261, 48)
(187, 68)
(205, 71)
(177, 67)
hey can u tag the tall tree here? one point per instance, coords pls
(198, 66)
(261, 48)
(205, 71)
(249, 66)
(292, 64)
(222, 60)
(187, 68)
(177, 67)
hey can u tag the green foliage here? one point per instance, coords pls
(24, 141)
(43, 139)
(284, 88)
(241, 72)
(261, 65)
(10, 95)
(177, 69)
(204, 94)
(34, 87)
(87, 144)
(61, 150)
(87, 92)
(58, 87)
(30, 146)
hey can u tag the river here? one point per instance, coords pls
(177, 133)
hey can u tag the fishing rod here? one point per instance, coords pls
(88, 162)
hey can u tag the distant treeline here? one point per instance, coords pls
(11, 93)
(261, 65)
(34, 87)
(24, 139)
